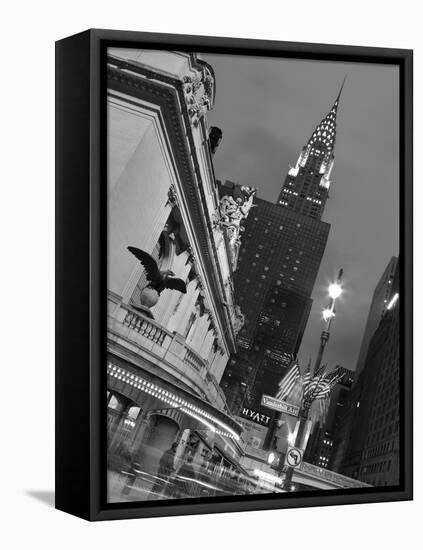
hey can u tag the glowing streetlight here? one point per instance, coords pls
(328, 314)
(271, 458)
(335, 291)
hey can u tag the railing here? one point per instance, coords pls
(330, 476)
(145, 327)
(157, 334)
(174, 352)
(192, 359)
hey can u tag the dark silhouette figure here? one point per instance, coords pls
(158, 280)
(215, 137)
(166, 468)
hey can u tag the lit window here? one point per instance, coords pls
(113, 403)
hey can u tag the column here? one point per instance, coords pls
(218, 366)
(179, 319)
(198, 332)
(163, 310)
(207, 344)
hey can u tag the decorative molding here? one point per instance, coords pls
(172, 198)
(238, 320)
(229, 215)
(198, 92)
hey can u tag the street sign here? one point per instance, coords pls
(278, 405)
(294, 457)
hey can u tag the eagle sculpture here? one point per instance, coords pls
(158, 280)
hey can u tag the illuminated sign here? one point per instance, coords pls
(278, 405)
(258, 418)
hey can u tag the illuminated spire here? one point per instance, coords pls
(306, 186)
(325, 133)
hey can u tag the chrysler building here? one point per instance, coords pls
(306, 187)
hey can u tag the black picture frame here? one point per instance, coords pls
(81, 274)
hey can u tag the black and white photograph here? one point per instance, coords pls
(253, 275)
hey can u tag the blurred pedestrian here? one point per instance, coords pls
(186, 477)
(128, 467)
(166, 468)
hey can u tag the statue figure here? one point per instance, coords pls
(234, 210)
(239, 320)
(231, 212)
(198, 93)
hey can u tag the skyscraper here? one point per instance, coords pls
(380, 300)
(369, 436)
(320, 446)
(282, 248)
(306, 186)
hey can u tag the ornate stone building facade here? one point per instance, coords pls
(166, 357)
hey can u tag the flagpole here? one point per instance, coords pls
(302, 423)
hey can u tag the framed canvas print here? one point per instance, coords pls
(234, 288)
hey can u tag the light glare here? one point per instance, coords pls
(327, 314)
(335, 290)
(393, 301)
(271, 458)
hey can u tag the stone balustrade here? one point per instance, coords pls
(145, 326)
(168, 350)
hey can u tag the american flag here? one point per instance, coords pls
(321, 384)
(286, 385)
(335, 376)
(307, 374)
(317, 386)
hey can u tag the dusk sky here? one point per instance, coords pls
(267, 110)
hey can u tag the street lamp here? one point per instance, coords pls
(335, 291)
(271, 458)
(309, 396)
(327, 314)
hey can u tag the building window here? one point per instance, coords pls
(114, 403)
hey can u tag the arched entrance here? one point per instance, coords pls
(162, 432)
